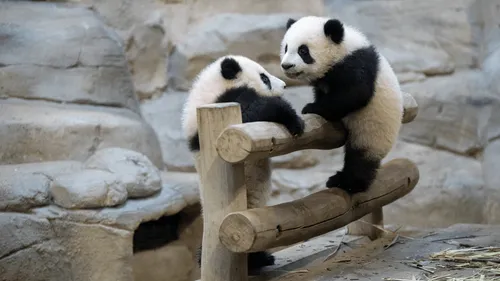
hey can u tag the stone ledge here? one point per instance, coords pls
(37, 131)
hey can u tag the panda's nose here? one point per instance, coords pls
(287, 66)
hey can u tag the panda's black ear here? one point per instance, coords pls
(335, 30)
(229, 68)
(289, 23)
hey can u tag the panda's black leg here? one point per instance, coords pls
(256, 260)
(358, 173)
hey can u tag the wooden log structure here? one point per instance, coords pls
(316, 214)
(231, 230)
(258, 140)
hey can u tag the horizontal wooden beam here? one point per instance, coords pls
(259, 140)
(316, 214)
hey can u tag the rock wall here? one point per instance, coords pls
(155, 29)
(80, 169)
(65, 87)
(83, 86)
(446, 54)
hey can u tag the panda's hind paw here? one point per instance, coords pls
(334, 181)
(258, 260)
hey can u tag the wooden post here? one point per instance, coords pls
(258, 177)
(364, 226)
(222, 191)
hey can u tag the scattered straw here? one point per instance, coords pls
(337, 248)
(470, 255)
(485, 261)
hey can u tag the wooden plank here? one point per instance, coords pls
(222, 191)
(259, 140)
(316, 214)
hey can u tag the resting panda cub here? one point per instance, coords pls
(352, 82)
(239, 79)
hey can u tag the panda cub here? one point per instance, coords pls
(352, 83)
(239, 79)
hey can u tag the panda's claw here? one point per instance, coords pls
(335, 181)
(297, 129)
(308, 108)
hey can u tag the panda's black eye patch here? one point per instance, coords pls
(305, 55)
(265, 80)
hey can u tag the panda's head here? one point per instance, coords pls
(312, 45)
(225, 73)
(232, 71)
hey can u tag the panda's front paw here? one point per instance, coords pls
(309, 108)
(335, 180)
(296, 128)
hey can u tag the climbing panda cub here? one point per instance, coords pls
(239, 79)
(352, 83)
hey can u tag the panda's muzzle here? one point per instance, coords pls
(287, 66)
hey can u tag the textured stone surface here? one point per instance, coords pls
(255, 36)
(164, 115)
(184, 183)
(42, 131)
(60, 245)
(27, 251)
(450, 189)
(487, 15)
(169, 201)
(173, 261)
(34, 248)
(25, 186)
(202, 9)
(88, 189)
(416, 36)
(97, 252)
(133, 170)
(453, 112)
(62, 53)
(491, 168)
(147, 52)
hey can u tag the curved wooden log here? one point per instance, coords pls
(258, 140)
(284, 224)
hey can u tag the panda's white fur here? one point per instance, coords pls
(210, 85)
(239, 79)
(373, 127)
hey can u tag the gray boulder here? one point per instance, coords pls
(62, 53)
(135, 171)
(26, 186)
(255, 36)
(36, 131)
